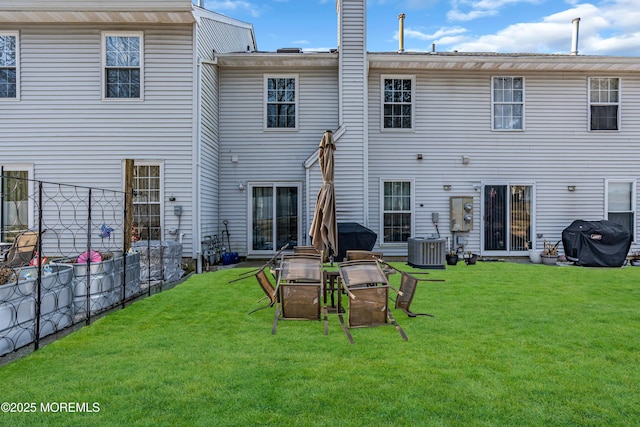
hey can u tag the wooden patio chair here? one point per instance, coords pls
(299, 290)
(265, 284)
(368, 289)
(22, 251)
(359, 255)
(408, 286)
(305, 250)
(263, 280)
(362, 255)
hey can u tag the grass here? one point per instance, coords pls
(511, 345)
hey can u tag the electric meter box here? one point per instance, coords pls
(461, 213)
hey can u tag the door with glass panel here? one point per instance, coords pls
(274, 216)
(507, 211)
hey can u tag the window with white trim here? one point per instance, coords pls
(621, 209)
(281, 102)
(604, 103)
(9, 66)
(397, 102)
(507, 98)
(123, 65)
(397, 215)
(16, 200)
(147, 199)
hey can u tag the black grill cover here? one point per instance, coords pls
(596, 243)
(353, 236)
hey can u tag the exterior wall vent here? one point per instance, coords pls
(289, 50)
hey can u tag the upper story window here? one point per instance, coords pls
(397, 102)
(508, 103)
(281, 111)
(9, 65)
(604, 103)
(123, 65)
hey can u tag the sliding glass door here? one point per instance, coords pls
(507, 211)
(274, 216)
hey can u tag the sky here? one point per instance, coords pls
(607, 27)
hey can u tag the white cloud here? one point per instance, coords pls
(608, 29)
(467, 10)
(233, 6)
(410, 33)
(300, 42)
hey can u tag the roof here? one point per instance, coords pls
(82, 11)
(470, 61)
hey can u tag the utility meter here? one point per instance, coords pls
(461, 211)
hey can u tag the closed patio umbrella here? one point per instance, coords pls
(324, 228)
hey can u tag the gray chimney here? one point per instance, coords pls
(574, 38)
(401, 33)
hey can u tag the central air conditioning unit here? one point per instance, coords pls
(426, 252)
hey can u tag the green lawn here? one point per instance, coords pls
(511, 345)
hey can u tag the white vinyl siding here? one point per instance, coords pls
(507, 103)
(9, 66)
(281, 102)
(270, 156)
(620, 203)
(123, 65)
(397, 102)
(74, 137)
(604, 103)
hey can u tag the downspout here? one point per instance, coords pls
(365, 121)
(197, 89)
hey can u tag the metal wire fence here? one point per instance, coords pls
(70, 253)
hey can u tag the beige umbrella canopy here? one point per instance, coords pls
(324, 228)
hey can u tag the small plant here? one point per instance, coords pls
(549, 249)
(6, 275)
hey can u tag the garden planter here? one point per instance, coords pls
(452, 259)
(549, 259)
(100, 291)
(470, 259)
(535, 256)
(18, 305)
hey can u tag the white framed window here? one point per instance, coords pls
(16, 200)
(507, 102)
(9, 66)
(147, 198)
(397, 208)
(122, 65)
(398, 94)
(620, 203)
(281, 102)
(604, 103)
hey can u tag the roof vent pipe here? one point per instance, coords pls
(574, 38)
(401, 33)
(201, 3)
